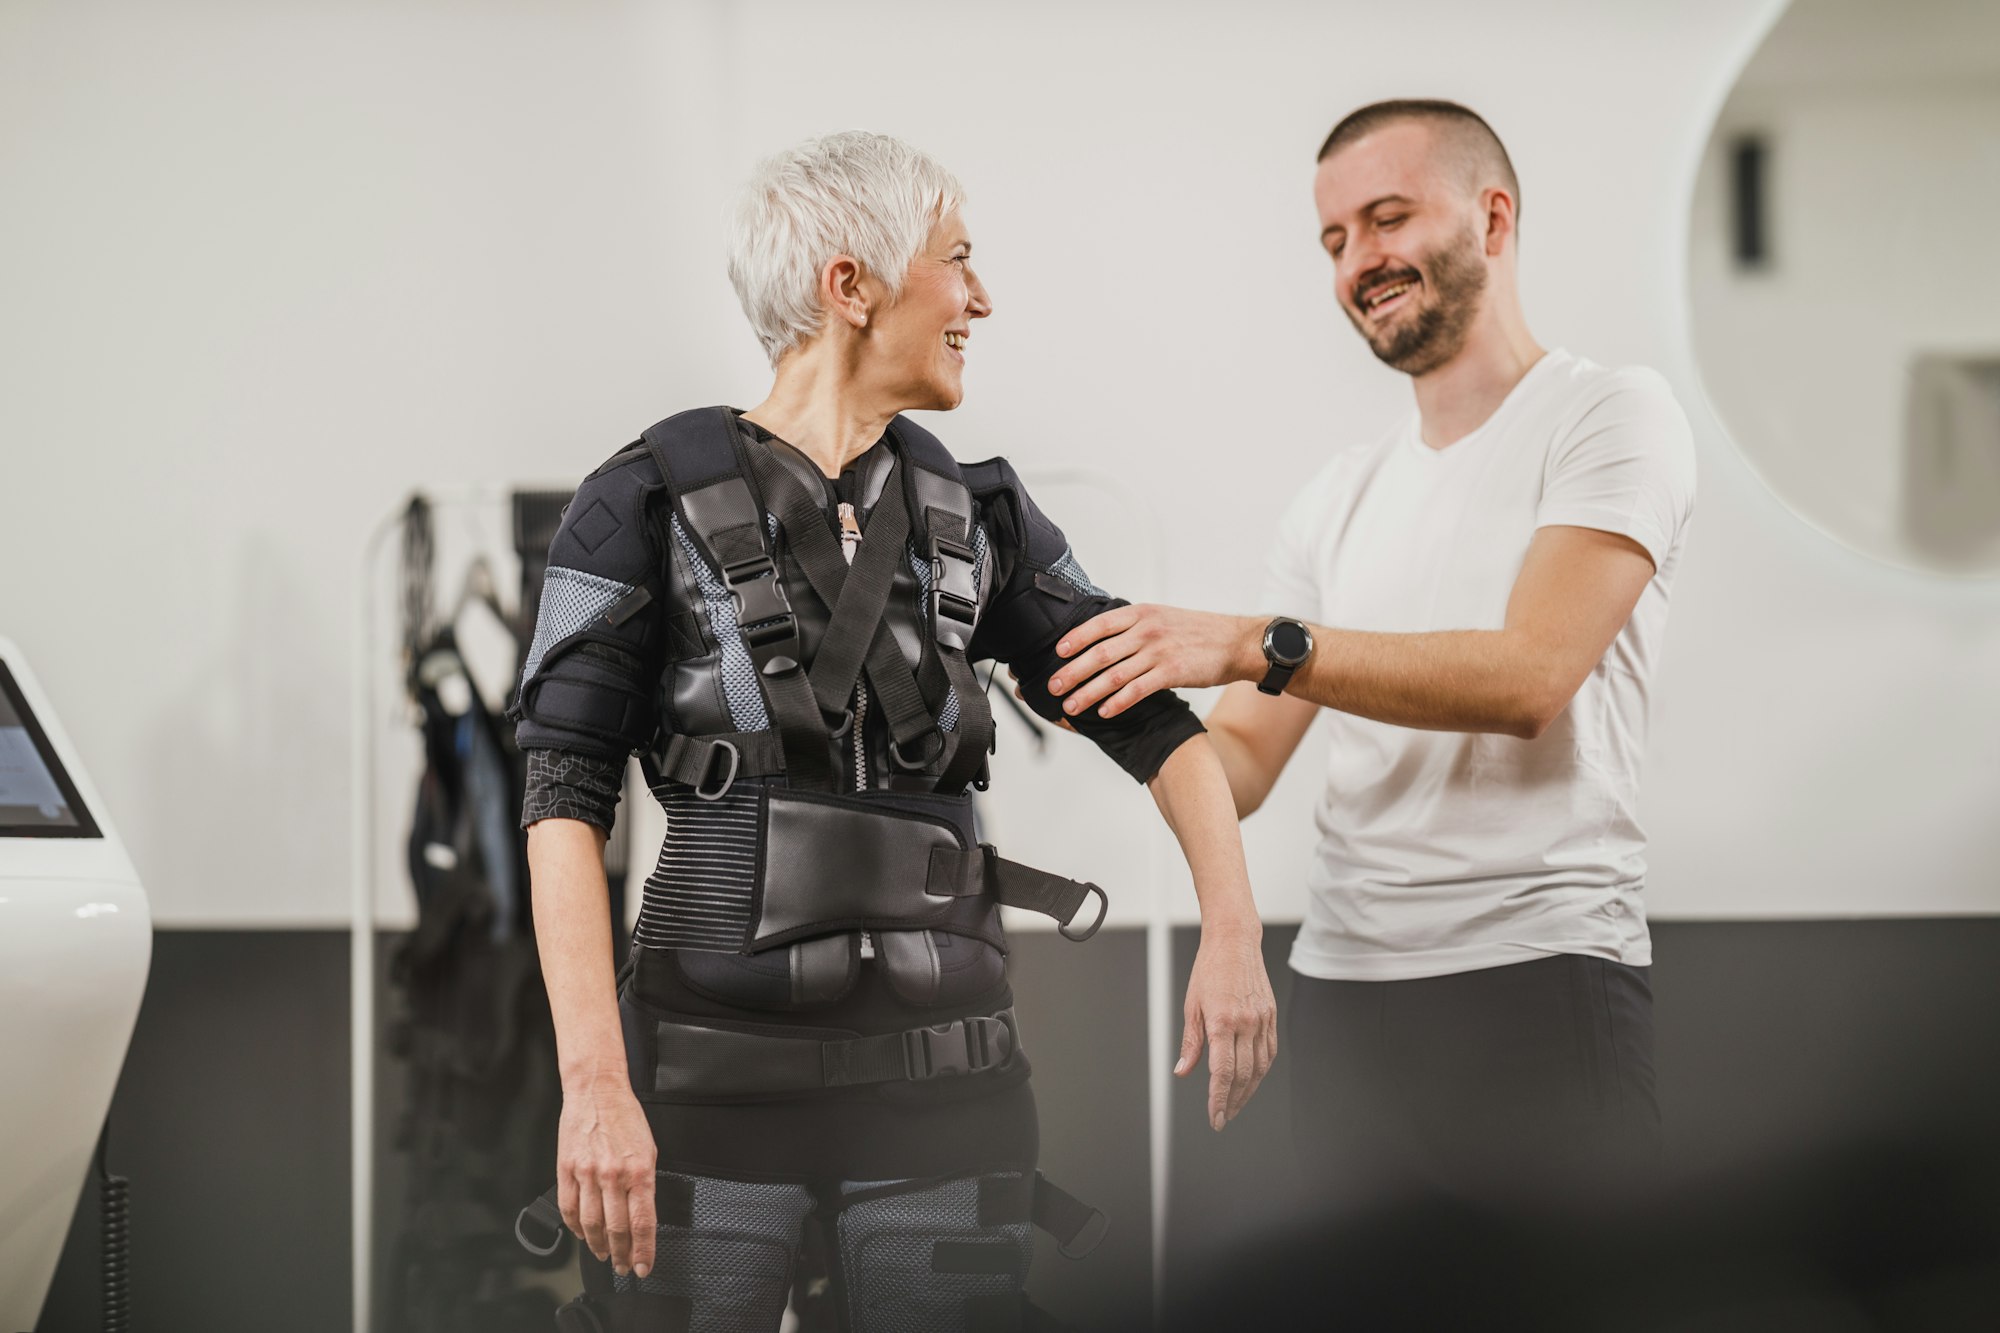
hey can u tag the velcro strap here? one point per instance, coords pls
(598, 707)
(1076, 1226)
(1001, 1257)
(961, 874)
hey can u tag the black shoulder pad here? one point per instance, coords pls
(924, 449)
(694, 448)
(998, 489)
(605, 531)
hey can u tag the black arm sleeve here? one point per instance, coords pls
(1040, 593)
(590, 684)
(572, 786)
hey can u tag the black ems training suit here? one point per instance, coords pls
(817, 1014)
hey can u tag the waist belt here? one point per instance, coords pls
(823, 864)
(692, 1058)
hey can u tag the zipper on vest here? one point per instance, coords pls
(850, 539)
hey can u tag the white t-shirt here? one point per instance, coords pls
(1446, 852)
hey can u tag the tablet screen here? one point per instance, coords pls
(37, 799)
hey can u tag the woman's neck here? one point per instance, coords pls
(819, 410)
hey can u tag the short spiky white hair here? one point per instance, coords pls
(852, 193)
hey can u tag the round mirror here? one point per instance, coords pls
(1845, 274)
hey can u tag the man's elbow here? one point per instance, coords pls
(1535, 709)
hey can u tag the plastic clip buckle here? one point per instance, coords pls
(763, 610)
(954, 591)
(964, 1046)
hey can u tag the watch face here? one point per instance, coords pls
(1288, 641)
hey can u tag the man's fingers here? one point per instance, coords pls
(1152, 681)
(1114, 621)
(1190, 1044)
(1109, 653)
(1113, 677)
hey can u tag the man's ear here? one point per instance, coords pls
(1498, 207)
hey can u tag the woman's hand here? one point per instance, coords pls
(605, 1160)
(1231, 1008)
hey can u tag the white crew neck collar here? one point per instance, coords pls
(1413, 437)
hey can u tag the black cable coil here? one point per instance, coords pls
(115, 1241)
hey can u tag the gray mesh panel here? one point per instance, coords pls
(699, 895)
(1070, 572)
(571, 599)
(739, 674)
(948, 715)
(885, 1254)
(735, 1263)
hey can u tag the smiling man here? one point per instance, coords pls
(1476, 604)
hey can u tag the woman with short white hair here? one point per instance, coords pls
(778, 610)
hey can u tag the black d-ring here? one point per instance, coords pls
(846, 723)
(896, 754)
(1103, 906)
(536, 1215)
(702, 789)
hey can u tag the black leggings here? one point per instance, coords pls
(1512, 1086)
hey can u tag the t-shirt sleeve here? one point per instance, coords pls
(1625, 466)
(1291, 582)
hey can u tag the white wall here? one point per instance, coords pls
(269, 266)
(1883, 183)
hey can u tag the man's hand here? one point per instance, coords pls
(1135, 650)
(1231, 1009)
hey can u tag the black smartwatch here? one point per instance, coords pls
(1287, 645)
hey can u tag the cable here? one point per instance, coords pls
(114, 1239)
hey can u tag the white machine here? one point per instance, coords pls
(75, 943)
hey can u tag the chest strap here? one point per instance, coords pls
(699, 454)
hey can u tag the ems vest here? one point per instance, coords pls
(788, 830)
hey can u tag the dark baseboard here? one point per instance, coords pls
(1776, 1041)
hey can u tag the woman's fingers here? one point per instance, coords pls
(617, 1223)
(590, 1214)
(645, 1223)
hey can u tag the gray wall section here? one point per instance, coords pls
(1778, 1043)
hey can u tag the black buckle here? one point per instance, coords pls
(763, 610)
(954, 590)
(701, 785)
(963, 1046)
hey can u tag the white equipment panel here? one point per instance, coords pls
(75, 942)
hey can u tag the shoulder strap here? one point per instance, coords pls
(941, 517)
(700, 455)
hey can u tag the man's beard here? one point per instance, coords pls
(1453, 278)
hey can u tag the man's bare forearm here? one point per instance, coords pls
(1193, 794)
(1444, 680)
(573, 933)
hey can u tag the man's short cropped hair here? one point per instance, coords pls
(851, 193)
(1462, 132)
